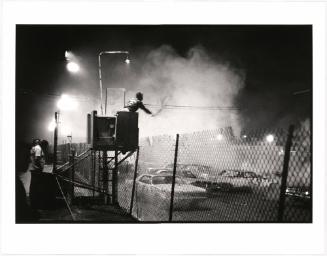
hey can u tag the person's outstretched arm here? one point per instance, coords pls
(145, 109)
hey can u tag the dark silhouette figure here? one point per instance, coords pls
(134, 104)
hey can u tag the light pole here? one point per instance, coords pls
(55, 143)
(64, 103)
(127, 61)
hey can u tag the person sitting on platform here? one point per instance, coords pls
(135, 103)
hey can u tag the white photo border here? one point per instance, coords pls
(179, 238)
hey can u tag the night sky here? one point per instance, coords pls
(276, 62)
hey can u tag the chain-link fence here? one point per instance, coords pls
(207, 176)
(298, 201)
(154, 152)
(224, 178)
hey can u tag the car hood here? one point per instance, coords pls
(180, 188)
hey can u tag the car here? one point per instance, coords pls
(235, 180)
(155, 189)
(187, 176)
(300, 196)
(196, 169)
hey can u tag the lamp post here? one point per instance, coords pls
(55, 142)
(127, 61)
(64, 103)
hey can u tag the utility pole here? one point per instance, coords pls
(55, 142)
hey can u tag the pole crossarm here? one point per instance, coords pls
(113, 52)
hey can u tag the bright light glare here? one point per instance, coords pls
(72, 67)
(66, 130)
(270, 138)
(52, 126)
(127, 61)
(67, 103)
(219, 137)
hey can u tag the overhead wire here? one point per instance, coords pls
(165, 106)
(193, 107)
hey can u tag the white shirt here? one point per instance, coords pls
(37, 151)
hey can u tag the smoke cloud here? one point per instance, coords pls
(186, 93)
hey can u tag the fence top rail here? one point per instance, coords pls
(80, 157)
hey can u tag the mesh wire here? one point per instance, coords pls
(226, 178)
(238, 175)
(150, 204)
(125, 181)
(298, 204)
(220, 177)
(85, 172)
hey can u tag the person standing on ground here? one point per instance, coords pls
(37, 156)
(36, 169)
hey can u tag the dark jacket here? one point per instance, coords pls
(134, 104)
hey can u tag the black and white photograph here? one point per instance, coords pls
(163, 123)
(171, 128)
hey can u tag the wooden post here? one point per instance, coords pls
(285, 173)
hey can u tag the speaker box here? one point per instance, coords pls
(127, 131)
(104, 131)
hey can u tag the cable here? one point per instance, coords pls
(193, 107)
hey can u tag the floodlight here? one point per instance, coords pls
(67, 103)
(219, 137)
(72, 67)
(270, 138)
(52, 126)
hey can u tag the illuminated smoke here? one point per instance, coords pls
(193, 87)
(186, 94)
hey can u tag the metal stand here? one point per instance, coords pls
(109, 170)
(105, 180)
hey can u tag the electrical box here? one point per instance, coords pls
(127, 133)
(118, 132)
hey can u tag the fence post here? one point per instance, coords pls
(173, 181)
(105, 176)
(93, 159)
(114, 182)
(72, 169)
(287, 151)
(55, 143)
(134, 180)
